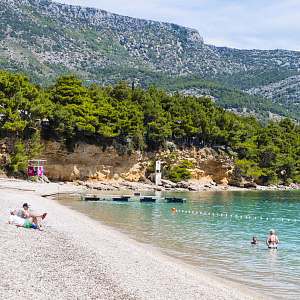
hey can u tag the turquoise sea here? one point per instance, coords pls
(212, 231)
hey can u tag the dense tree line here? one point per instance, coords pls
(131, 119)
(226, 91)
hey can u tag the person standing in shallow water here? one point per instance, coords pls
(272, 240)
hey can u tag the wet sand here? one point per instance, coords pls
(75, 257)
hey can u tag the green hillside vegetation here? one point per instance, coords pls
(230, 98)
(223, 95)
(130, 118)
(253, 78)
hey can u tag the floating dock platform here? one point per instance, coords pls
(121, 198)
(134, 198)
(175, 200)
(91, 198)
(148, 199)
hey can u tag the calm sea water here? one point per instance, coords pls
(212, 242)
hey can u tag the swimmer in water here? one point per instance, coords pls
(254, 241)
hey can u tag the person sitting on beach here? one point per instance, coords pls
(254, 241)
(25, 214)
(21, 222)
(272, 240)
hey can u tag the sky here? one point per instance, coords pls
(241, 24)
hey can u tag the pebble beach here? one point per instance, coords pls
(75, 257)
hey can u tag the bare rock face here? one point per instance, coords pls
(90, 162)
(218, 168)
(208, 167)
(239, 181)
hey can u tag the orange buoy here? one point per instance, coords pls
(173, 208)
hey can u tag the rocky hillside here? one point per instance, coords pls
(83, 38)
(64, 37)
(286, 90)
(90, 162)
(44, 39)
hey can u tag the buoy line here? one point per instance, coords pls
(231, 216)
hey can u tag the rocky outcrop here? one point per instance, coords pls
(90, 162)
(239, 181)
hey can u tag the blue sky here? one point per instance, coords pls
(242, 24)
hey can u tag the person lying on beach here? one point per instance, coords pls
(21, 222)
(25, 214)
(272, 240)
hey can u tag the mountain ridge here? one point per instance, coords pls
(186, 39)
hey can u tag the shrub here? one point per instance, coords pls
(32, 178)
(18, 161)
(186, 164)
(178, 174)
(150, 167)
(142, 179)
(248, 168)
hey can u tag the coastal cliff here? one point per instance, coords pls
(90, 162)
(104, 168)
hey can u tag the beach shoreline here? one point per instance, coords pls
(75, 257)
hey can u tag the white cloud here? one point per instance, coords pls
(260, 24)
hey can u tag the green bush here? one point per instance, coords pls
(186, 164)
(247, 168)
(150, 167)
(178, 174)
(142, 179)
(269, 177)
(17, 164)
(174, 176)
(32, 178)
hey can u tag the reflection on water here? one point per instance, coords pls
(212, 242)
(272, 256)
